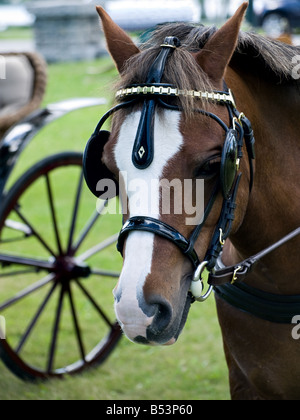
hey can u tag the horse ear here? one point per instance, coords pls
(217, 52)
(120, 45)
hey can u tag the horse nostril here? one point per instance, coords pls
(162, 318)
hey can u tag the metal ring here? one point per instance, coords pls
(199, 271)
(197, 284)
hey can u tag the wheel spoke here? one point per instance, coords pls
(40, 248)
(76, 325)
(75, 212)
(17, 273)
(26, 261)
(55, 331)
(95, 304)
(97, 248)
(35, 319)
(20, 227)
(53, 213)
(31, 289)
(105, 273)
(86, 230)
(34, 232)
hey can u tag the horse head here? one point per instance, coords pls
(175, 121)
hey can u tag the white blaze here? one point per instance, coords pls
(139, 245)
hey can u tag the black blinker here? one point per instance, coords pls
(93, 168)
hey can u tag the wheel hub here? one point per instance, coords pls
(68, 268)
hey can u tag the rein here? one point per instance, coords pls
(237, 273)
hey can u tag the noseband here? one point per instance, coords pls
(153, 93)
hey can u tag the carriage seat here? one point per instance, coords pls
(22, 89)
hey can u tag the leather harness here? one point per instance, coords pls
(224, 280)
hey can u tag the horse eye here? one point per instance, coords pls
(209, 169)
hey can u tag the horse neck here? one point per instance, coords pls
(273, 208)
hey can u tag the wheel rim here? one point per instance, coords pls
(55, 281)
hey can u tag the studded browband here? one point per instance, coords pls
(169, 90)
(161, 89)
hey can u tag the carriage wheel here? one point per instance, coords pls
(58, 266)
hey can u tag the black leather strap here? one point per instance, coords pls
(237, 273)
(158, 67)
(266, 306)
(197, 230)
(143, 150)
(147, 224)
(249, 138)
(223, 228)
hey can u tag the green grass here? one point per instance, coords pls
(193, 369)
(16, 34)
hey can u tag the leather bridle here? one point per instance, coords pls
(152, 94)
(224, 280)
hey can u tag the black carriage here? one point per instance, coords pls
(53, 268)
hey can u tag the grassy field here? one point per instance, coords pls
(193, 369)
(16, 33)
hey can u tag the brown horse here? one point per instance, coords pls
(152, 297)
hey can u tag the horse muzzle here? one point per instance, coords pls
(153, 323)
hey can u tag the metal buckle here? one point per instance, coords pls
(169, 46)
(221, 240)
(197, 284)
(234, 277)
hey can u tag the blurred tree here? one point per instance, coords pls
(11, 2)
(250, 12)
(225, 8)
(203, 11)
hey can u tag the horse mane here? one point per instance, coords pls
(267, 59)
(271, 59)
